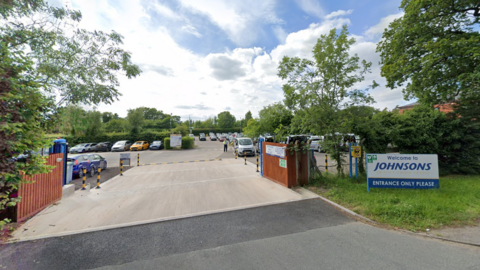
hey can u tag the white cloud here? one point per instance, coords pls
(280, 34)
(338, 13)
(311, 7)
(377, 30)
(239, 19)
(192, 30)
(165, 12)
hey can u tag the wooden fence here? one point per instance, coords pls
(40, 191)
(290, 176)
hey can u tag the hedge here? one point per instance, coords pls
(187, 142)
(166, 143)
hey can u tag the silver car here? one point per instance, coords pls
(121, 146)
(244, 146)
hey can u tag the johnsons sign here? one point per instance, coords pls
(402, 171)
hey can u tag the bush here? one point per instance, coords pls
(166, 143)
(187, 142)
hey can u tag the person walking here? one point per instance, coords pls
(225, 146)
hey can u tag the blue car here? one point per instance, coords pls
(89, 162)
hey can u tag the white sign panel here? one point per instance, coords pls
(402, 171)
(275, 151)
(175, 140)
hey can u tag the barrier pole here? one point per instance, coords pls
(257, 164)
(121, 167)
(138, 160)
(326, 163)
(245, 156)
(235, 153)
(350, 157)
(84, 178)
(98, 177)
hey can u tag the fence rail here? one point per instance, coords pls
(40, 190)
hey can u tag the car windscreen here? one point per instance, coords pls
(245, 142)
(156, 143)
(120, 143)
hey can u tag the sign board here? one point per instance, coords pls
(356, 151)
(275, 151)
(283, 163)
(175, 140)
(126, 159)
(402, 171)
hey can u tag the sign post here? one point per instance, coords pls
(402, 171)
(175, 140)
(355, 152)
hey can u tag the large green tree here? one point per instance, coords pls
(318, 89)
(273, 116)
(433, 50)
(226, 120)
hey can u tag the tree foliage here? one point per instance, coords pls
(433, 50)
(317, 90)
(252, 129)
(272, 117)
(226, 120)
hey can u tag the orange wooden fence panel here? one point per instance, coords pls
(285, 176)
(41, 190)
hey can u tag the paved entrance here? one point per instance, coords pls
(159, 192)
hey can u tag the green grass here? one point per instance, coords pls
(456, 203)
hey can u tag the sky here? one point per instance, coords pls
(202, 57)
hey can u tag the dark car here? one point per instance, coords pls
(156, 145)
(103, 147)
(202, 137)
(213, 137)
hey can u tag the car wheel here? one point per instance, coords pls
(92, 171)
(104, 166)
(80, 173)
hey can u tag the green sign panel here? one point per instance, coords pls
(371, 158)
(283, 163)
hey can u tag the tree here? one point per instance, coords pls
(252, 129)
(318, 89)
(151, 113)
(135, 120)
(248, 116)
(107, 116)
(116, 125)
(226, 120)
(272, 117)
(434, 50)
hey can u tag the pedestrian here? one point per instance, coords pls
(225, 146)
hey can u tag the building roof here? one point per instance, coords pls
(409, 105)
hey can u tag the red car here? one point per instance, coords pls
(222, 138)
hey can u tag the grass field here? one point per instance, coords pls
(456, 203)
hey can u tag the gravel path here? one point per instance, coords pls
(106, 175)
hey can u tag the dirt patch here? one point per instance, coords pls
(106, 175)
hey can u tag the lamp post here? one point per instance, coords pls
(170, 122)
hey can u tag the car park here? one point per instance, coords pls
(244, 146)
(156, 145)
(139, 146)
(213, 137)
(80, 148)
(121, 146)
(222, 138)
(103, 147)
(202, 137)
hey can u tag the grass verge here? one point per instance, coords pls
(456, 203)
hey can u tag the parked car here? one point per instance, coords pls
(202, 137)
(81, 162)
(98, 162)
(213, 137)
(244, 146)
(222, 138)
(156, 145)
(80, 148)
(139, 146)
(193, 136)
(103, 147)
(121, 146)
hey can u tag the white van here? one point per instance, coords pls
(244, 146)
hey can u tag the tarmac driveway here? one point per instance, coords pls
(154, 193)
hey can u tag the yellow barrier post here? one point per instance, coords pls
(84, 178)
(98, 177)
(138, 160)
(235, 153)
(245, 156)
(257, 164)
(121, 167)
(326, 163)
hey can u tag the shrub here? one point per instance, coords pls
(166, 143)
(187, 142)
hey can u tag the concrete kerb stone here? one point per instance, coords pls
(346, 210)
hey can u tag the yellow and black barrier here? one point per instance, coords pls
(235, 153)
(326, 163)
(257, 164)
(84, 178)
(98, 177)
(121, 167)
(138, 160)
(245, 156)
